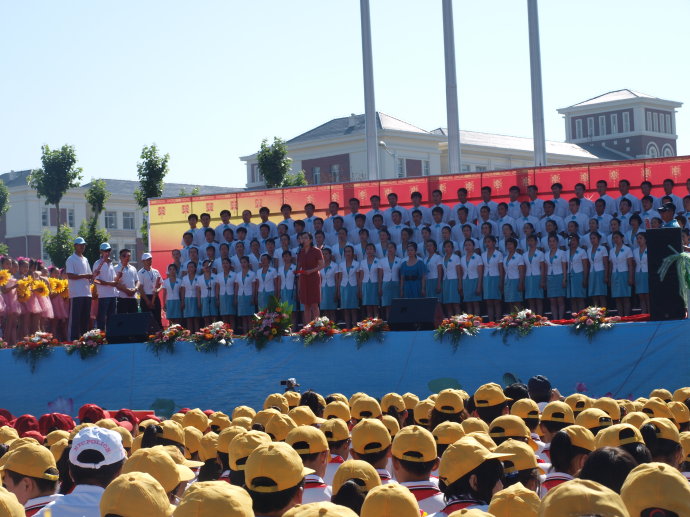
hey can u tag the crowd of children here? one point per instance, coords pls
(519, 450)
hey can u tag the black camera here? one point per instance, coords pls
(290, 384)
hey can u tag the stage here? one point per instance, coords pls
(625, 362)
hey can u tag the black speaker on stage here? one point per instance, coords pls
(665, 302)
(412, 314)
(129, 328)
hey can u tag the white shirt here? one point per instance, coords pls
(555, 264)
(349, 275)
(533, 263)
(596, 258)
(432, 264)
(506, 219)
(207, 286)
(514, 209)
(227, 285)
(31, 504)
(581, 219)
(221, 228)
(648, 215)
(450, 266)
(287, 278)
(491, 263)
(641, 264)
(391, 272)
(604, 221)
(252, 230)
(328, 275)
(148, 279)
(84, 501)
(636, 204)
(619, 259)
(522, 220)
(470, 266)
(561, 209)
(586, 207)
(190, 286)
(78, 266)
(512, 265)
(611, 205)
(493, 209)
(426, 214)
(575, 261)
(266, 280)
(129, 279)
(471, 211)
(315, 490)
(244, 285)
(560, 225)
(447, 212)
(370, 272)
(107, 274)
(457, 234)
(388, 215)
(536, 208)
(433, 502)
(172, 292)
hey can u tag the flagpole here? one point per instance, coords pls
(369, 102)
(454, 153)
(539, 136)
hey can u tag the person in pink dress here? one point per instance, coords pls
(47, 313)
(31, 310)
(13, 309)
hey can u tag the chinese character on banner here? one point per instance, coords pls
(555, 178)
(614, 175)
(362, 195)
(387, 191)
(675, 172)
(161, 210)
(498, 184)
(233, 204)
(335, 197)
(185, 209)
(257, 203)
(442, 188)
(525, 181)
(209, 207)
(310, 198)
(469, 185)
(584, 177)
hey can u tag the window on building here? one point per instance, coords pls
(667, 150)
(45, 216)
(465, 168)
(578, 128)
(111, 220)
(602, 125)
(656, 122)
(115, 253)
(590, 126)
(133, 248)
(256, 176)
(614, 124)
(335, 173)
(316, 175)
(652, 150)
(649, 121)
(44, 255)
(481, 168)
(400, 169)
(669, 129)
(70, 217)
(662, 125)
(626, 122)
(128, 220)
(426, 168)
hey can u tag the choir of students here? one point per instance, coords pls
(552, 255)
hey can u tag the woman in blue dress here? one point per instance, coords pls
(226, 280)
(451, 283)
(171, 296)
(349, 286)
(493, 278)
(434, 270)
(598, 266)
(472, 274)
(621, 273)
(189, 296)
(578, 274)
(535, 274)
(329, 301)
(209, 294)
(412, 274)
(641, 272)
(372, 281)
(390, 265)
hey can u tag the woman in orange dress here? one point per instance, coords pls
(309, 265)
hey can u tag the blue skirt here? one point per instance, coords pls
(469, 290)
(510, 290)
(245, 305)
(390, 290)
(191, 309)
(596, 287)
(491, 291)
(575, 287)
(328, 301)
(619, 285)
(533, 287)
(370, 293)
(264, 297)
(348, 297)
(431, 284)
(641, 283)
(227, 305)
(554, 286)
(172, 309)
(209, 307)
(450, 291)
(288, 295)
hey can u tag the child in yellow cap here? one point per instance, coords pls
(569, 450)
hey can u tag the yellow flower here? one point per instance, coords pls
(40, 288)
(4, 276)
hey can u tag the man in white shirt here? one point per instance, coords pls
(250, 228)
(150, 283)
(264, 213)
(437, 201)
(668, 191)
(560, 203)
(646, 188)
(486, 201)
(462, 201)
(393, 205)
(106, 286)
(333, 208)
(375, 209)
(574, 214)
(536, 204)
(127, 284)
(514, 202)
(586, 206)
(349, 219)
(95, 459)
(79, 280)
(309, 217)
(225, 224)
(416, 198)
(611, 205)
(624, 189)
(200, 235)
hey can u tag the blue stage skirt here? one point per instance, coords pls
(264, 297)
(450, 291)
(575, 287)
(596, 287)
(491, 291)
(288, 295)
(209, 307)
(172, 309)
(390, 290)
(533, 287)
(469, 290)
(510, 290)
(554, 286)
(619, 285)
(370, 293)
(227, 305)
(245, 305)
(348, 297)
(328, 302)
(641, 283)
(191, 309)
(431, 284)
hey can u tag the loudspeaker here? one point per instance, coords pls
(412, 314)
(129, 328)
(665, 302)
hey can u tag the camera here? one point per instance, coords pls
(290, 384)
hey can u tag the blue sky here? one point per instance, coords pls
(208, 80)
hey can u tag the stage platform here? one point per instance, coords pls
(627, 361)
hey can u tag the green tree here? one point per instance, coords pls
(97, 196)
(274, 162)
(4, 199)
(57, 175)
(193, 192)
(298, 179)
(151, 170)
(4, 249)
(60, 245)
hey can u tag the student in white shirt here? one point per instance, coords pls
(550, 215)
(245, 293)
(561, 205)
(127, 280)
(484, 218)
(611, 205)
(225, 223)
(348, 286)
(396, 228)
(460, 234)
(209, 294)
(574, 214)
(648, 213)
(472, 275)
(309, 217)
(504, 218)
(226, 281)
(668, 191)
(416, 198)
(372, 281)
(586, 206)
(393, 205)
(578, 273)
(349, 219)
(437, 201)
(642, 272)
(535, 275)
(601, 215)
(333, 208)
(598, 271)
(470, 209)
(375, 209)
(514, 276)
(556, 278)
(624, 189)
(621, 273)
(636, 228)
(624, 214)
(416, 226)
(171, 296)
(493, 278)
(525, 217)
(452, 273)
(434, 270)
(536, 204)
(329, 302)
(150, 284)
(268, 282)
(462, 218)
(190, 304)
(390, 266)
(646, 189)
(437, 224)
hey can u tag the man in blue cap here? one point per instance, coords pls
(667, 211)
(106, 286)
(79, 279)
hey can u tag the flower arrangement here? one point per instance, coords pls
(272, 322)
(520, 323)
(88, 345)
(458, 326)
(320, 329)
(593, 319)
(4, 277)
(24, 288)
(164, 340)
(40, 288)
(33, 348)
(208, 339)
(369, 328)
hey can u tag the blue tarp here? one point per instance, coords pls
(627, 361)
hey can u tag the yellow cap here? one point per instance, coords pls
(339, 397)
(681, 394)
(523, 457)
(636, 418)
(525, 409)
(293, 398)
(278, 463)
(142, 425)
(680, 412)
(107, 423)
(32, 460)
(243, 411)
(470, 512)
(8, 433)
(192, 439)
(580, 437)
(617, 435)
(215, 498)
(414, 443)
(370, 436)
(582, 497)
(446, 433)
(578, 402)
(335, 430)
(593, 418)
(515, 500)
(277, 401)
(489, 395)
(226, 436)
(242, 421)
(9, 505)
(472, 425)
(610, 406)
(657, 408)
(411, 400)
(626, 405)
(656, 486)
(511, 426)
(337, 409)
(172, 431)
(207, 446)
(125, 435)
(57, 435)
(661, 393)
(303, 415)
(157, 462)
(390, 500)
(393, 400)
(355, 396)
(322, 509)
(361, 471)
(134, 494)
(449, 401)
(558, 411)
(263, 416)
(422, 411)
(174, 452)
(365, 407)
(665, 429)
(391, 424)
(177, 417)
(279, 426)
(306, 439)
(58, 448)
(243, 445)
(463, 457)
(484, 439)
(219, 421)
(685, 443)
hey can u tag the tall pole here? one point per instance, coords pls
(539, 135)
(369, 103)
(451, 89)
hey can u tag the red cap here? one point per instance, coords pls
(54, 421)
(91, 413)
(208, 412)
(128, 415)
(126, 424)
(3, 421)
(184, 410)
(26, 423)
(8, 416)
(35, 434)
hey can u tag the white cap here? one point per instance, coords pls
(146, 256)
(105, 441)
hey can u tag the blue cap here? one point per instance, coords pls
(79, 240)
(105, 247)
